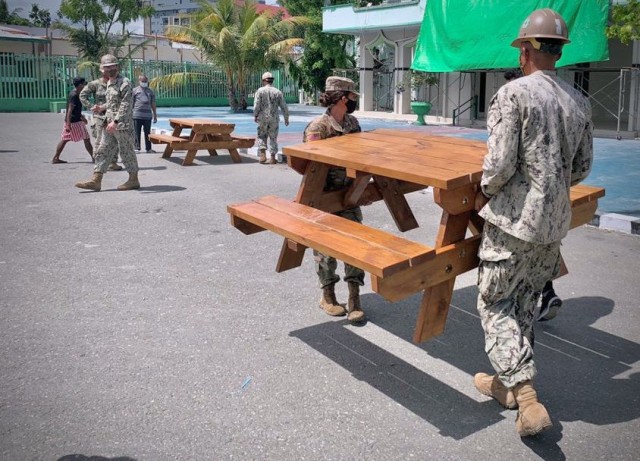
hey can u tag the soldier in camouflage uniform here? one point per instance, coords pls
(118, 132)
(540, 144)
(341, 100)
(98, 90)
(267, 101)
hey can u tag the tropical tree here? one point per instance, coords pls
(322, 52)
(12, 17)
(39, 17)
(235, 38)
(89, 25)
(625, 22)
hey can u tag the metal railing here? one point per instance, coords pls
(469, 104)
(31, 83)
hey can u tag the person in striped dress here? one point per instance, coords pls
(74, 122)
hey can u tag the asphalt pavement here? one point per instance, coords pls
(141, 325)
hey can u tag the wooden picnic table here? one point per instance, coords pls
(206, 134)
(386, 165)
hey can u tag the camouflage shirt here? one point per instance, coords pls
(120, 102)
(540, 144)
(266, 103)
(97, 89)
(325, 126)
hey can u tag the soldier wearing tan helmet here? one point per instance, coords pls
(118, 130)
(340, 99)
(266, 103)
(540, 144)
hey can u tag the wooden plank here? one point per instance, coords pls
(583, 213)
(421, 136)
(467, 156)
(206, 145)
(246, 227)
(413, 251)
(370, 249)
(434, 307)
(582, 193)
(396, 203)
(444, 264)
(291, 256)
(313, 182)
(369, 164)
(191, 152)
(456, 201)
(355, 191)
(334, 201)
(443, 168)
(164, 138)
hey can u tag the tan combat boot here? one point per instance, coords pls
(354, 312)
(533, 417)
(94, 184)
(132, 183)
(263, 156)
(329, 304)
(493, 387)
(114, 167)
(272, 160)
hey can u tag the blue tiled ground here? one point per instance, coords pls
(616, 165)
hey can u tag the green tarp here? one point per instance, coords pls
(477, 34)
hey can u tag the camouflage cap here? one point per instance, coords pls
(340, 84)
(267, 75)
(108, 60)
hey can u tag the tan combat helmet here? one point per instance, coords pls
(108, 60)
(267, 76)
(543, 23)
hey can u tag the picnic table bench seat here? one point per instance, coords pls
(377, 252)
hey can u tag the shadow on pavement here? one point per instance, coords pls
(159, 188)
(583, 371)
(76, 457)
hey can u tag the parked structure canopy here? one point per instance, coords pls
(458, 35)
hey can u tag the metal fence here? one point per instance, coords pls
(40, 83)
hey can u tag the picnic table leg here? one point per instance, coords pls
(212, 152)
(435, 301)
(169, 150)
(311, 189)
(191, 153)
(396, 203)
(235, 155)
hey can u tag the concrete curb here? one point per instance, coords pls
(617, 222)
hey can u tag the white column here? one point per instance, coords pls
(366, 77)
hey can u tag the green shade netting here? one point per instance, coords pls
(477, 34)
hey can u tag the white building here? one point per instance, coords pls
(386, 32)
(169, 13)
(177, 13)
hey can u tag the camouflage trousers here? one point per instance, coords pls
(268, 129)
(511, 275)
(326, 265)
(107, 151)
(97, 128)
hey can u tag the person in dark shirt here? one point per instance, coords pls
(74, 122)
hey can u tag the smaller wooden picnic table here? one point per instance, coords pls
(206, 134)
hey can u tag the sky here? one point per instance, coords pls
(53, 6)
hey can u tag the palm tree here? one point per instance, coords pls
(234, 37)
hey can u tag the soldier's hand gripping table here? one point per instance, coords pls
(205, 134)
(386, 165)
